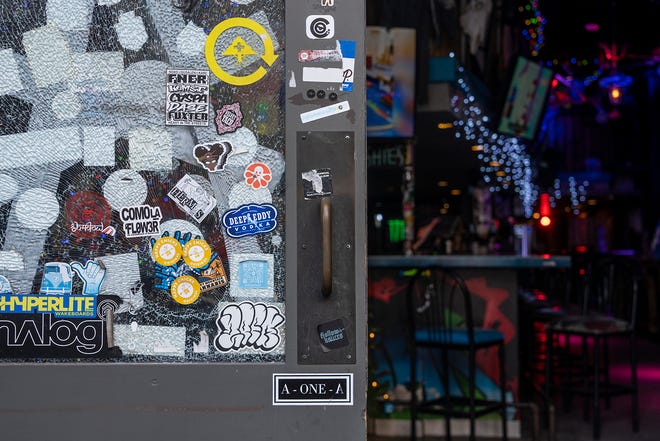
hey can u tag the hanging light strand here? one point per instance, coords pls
(505, 163)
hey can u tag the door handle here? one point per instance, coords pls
(326, 246)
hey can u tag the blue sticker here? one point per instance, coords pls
(250, 219)
(253, 274)
(57, 278)
(69, 306)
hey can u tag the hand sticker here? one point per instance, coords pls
(92, 275)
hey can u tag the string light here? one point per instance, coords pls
(534, 26)
(505, 163)
(577, 194)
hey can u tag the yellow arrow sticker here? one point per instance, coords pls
(239, 48)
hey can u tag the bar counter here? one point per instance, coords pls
(469, 261)
(494, 282)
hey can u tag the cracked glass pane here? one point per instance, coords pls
(142, 181)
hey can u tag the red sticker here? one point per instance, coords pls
(87, 214)
(257, 175)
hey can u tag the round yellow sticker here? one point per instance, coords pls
(167, 251)
(196, 253)
(185, 290)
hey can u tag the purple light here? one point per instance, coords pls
(592, 27)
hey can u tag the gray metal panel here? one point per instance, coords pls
(212, 401)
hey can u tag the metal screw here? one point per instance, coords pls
(348, 357)
(348, 246)
(347, 137)
(304, 246)
(304, 356)
(154, 382)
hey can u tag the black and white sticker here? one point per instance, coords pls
(320, 27)
(313, 389)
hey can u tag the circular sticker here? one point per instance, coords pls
(196, 253)
(167, 251)
(88, 214)
(185, 290)
(257, 175)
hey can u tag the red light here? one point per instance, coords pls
(545, 256)
(555, 82)
(581, 249)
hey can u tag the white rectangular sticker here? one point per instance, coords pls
(191, 197)
(323, 112)
(312, 389)
(187, 98)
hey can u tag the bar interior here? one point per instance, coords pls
(514, 230)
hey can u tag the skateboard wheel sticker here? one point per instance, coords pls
(167, 251)
(185, 290)
(197, 253)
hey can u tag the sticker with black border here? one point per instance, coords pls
(312, 389)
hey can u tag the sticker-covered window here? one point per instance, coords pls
(141, 181)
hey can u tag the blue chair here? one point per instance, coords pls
(441, 324)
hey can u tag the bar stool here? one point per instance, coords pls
(440, 322)
(609, 310)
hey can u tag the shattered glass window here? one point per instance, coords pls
(142, 180)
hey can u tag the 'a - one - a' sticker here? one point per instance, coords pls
(250, 219)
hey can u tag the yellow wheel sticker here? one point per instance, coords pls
(167, 251)
(196, 253)
(239, 48)
(185, 290)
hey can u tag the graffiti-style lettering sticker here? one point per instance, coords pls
(187, 98)
(257, 175)
(185, 290)
(320, 26)
(250, 219)
(57, 278)
(317, 183)
(92, 274)
(248, 325)
(142, 220)
(228, 118)
(88, 214)
(191, 197)
(238, 51)
(324, 112)
(196, 253)
(167, 251)
(212, 156)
